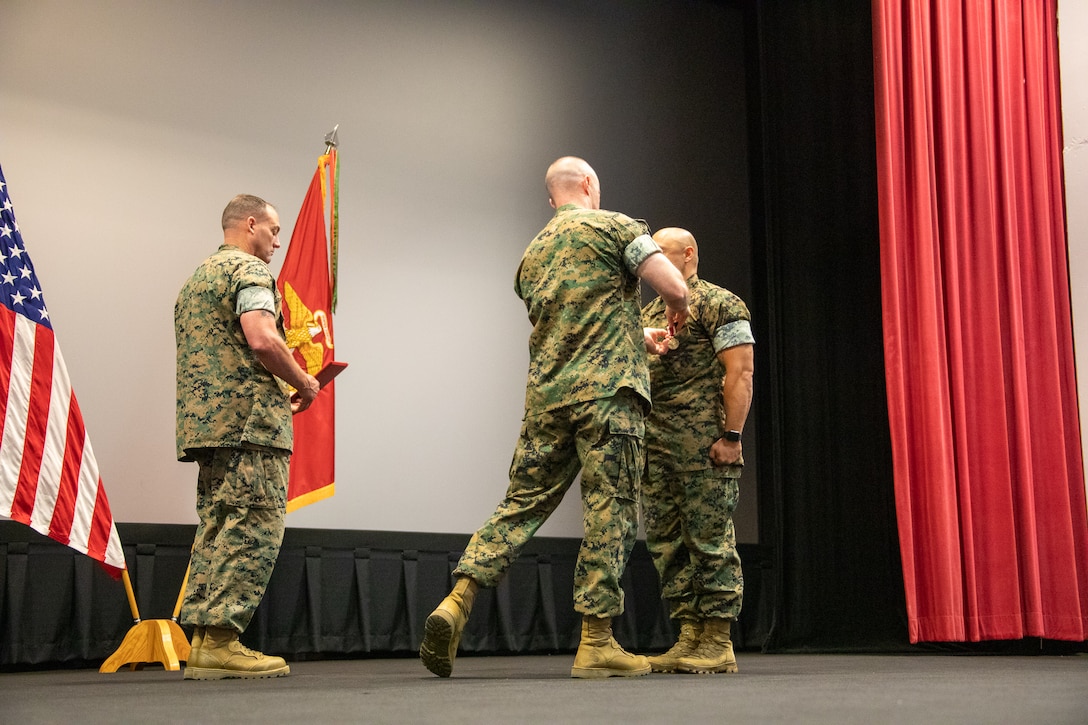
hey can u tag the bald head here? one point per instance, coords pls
(679, 246)
(570, 180)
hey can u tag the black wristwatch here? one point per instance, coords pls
(733, 436)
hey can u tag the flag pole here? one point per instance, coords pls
(181, 594)
(131, 597)
(151, 640)
(332, 142)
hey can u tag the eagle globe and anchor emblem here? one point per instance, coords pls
(304, 328)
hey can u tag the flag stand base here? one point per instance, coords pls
(150, 640)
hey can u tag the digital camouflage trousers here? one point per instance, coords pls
(603, 439)
(689, 532)
(241, 501)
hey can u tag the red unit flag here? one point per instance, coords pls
(48, 474)
(307, 283)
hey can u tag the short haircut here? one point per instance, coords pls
(242, 207)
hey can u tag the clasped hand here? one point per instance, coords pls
(304, 396)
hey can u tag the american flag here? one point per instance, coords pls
(48, 474)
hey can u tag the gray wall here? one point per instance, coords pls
(126, 126)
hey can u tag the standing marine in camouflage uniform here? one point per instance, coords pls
(585, 398)
(702, 389)
(234, 420)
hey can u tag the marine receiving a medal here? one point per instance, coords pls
(701, 388)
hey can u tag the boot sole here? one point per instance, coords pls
(664, 667)
(435, 649)
(600, 673)
(726, 669)
(211, 673)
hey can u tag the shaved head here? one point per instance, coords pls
(675, 238)
(571, 180)
(680, 247)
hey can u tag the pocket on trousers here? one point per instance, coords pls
(624, 411)
(255, 479)
(625, 456)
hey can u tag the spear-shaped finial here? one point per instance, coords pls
(332, 140)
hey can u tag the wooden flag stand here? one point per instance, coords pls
(150, 640)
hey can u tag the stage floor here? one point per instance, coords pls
(810, 688)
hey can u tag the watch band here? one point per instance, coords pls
(733, 436)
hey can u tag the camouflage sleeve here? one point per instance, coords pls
(254, 298)
(732, 334)
(253, 274)
(728, 317)
(632, 239)
(638, 250)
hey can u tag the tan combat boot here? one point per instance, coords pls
(198, 638)
(442, 632)
(599, 655)
(715, 651)
(690, 630)
(221, 656)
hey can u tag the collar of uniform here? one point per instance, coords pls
(566, 207)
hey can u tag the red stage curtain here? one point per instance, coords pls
(989, 479)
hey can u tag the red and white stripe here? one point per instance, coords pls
(49, 477)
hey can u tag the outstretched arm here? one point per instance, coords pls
(667, 281)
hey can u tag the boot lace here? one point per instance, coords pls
(247, 651)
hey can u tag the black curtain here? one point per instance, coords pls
(826, 480)
(334, 593)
